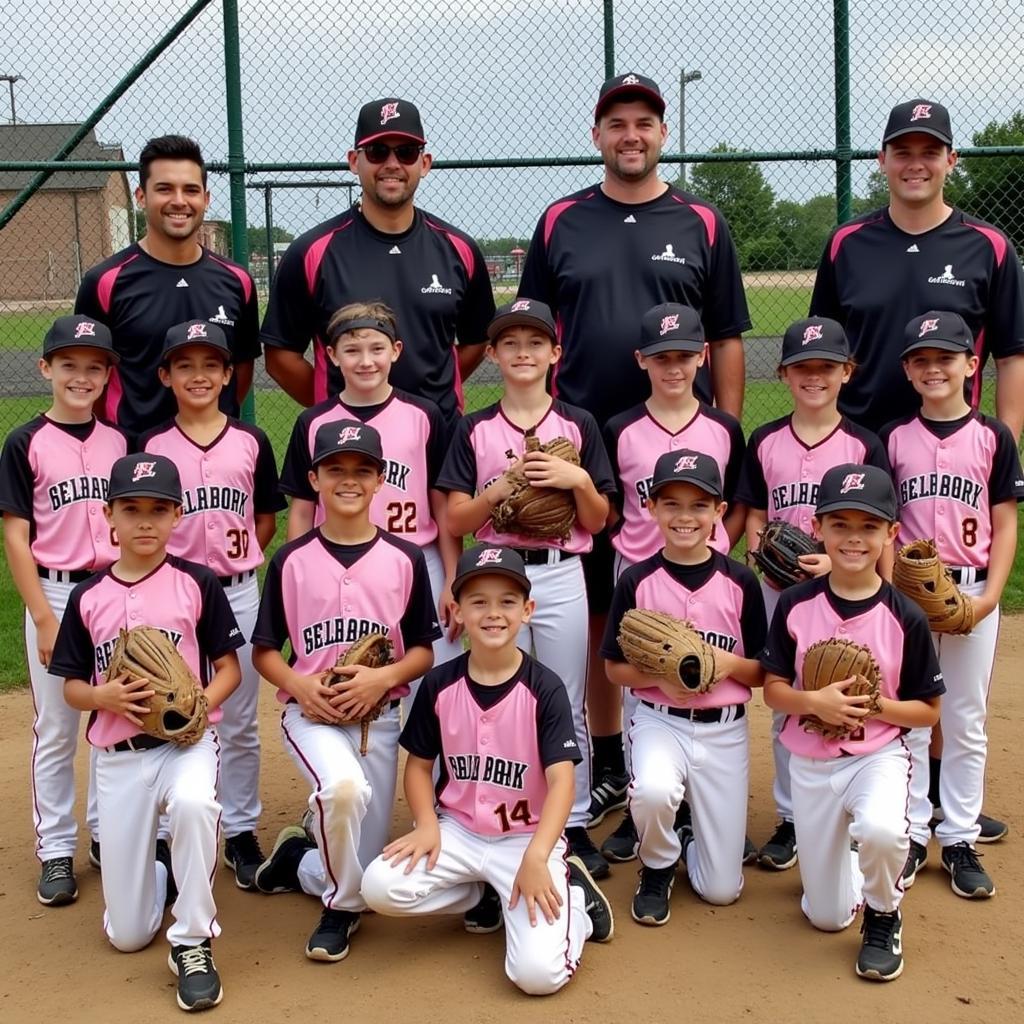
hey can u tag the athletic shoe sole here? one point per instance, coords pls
(980, 893)
(873, 975)
(291, 832)
(60, 899)
(595, 821)
(321, 955)
(199, 1004)
(590, 887)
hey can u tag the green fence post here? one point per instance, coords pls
(609, 39)
(844, 152)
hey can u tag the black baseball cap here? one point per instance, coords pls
(938, 329)
(629, 86)
(489, 560)
(195, 332)
(817, 337)
(389, 116)
(144, 475)
(79, 332)
(854, 486)
(347, 436)
(671, 327)
(523, 313)
(918, 116)
(687, 467)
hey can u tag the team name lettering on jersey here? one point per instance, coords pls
(105, 650)
(77, 488)
(339, 630)
(396, 474)
(941, 485)
(643, 488)
(723, 641)
(499, 771)
(788, 495)
(225, 499)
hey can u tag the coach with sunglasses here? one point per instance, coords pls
(432, 274)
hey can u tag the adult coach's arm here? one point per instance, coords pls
(475, 312)
(1004, 327)
(245, 345)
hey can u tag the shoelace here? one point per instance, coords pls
(655, 884)
(57, 870)
(196, 960)
(964, 857)
(246, 848)
(878, 929)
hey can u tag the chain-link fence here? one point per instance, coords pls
(776, 107)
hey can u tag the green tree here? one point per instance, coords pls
(502, 246)
(258, 238)
(993, 187)
(803, 229)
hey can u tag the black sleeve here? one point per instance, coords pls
(1004, 322)
(611, 446)
(419, 623)
(724, 310)
(779, 653)
(271, 628)
(437, 445)
(1006, 481)
(753, 623)
(17, 481)
(476, 310)
(421, 735)
(920, 675)
(459, 470)
(594, 456)
(537, 281)
(245, 345)
(824, 297)
(290, 319)
(217, 630)
(74, 654)
(297, 463)
(623, 599)
(266, 490)
(735, 461)
(556, 736)
(875, 453)
(87, 301)
(752, 488)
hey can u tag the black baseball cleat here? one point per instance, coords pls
(596, 904)
(94, 853)
(280, 871)
(917, 858)
(779, 853)
(608, 795)
(967, 877)
(992, 829)
(582, 846)
(622, 844)
(57, 886)
(486, 916)
(243, 855)
(651, 899)
(881, 952)
(163, 854)
(199, 985)
(330, 939)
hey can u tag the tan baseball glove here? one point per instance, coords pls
(545, 513)
(177, 709)
(661, 645)
(920, 574)
(829, 661)
(372, 651)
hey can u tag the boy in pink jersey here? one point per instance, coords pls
(671, 352)
(140, 777)
(686, 746)
(53, 483)
(784, 463)
(959, 480)
(230, 501)
(523, 344)
(499, 727)
(853, 789)
(363, 343)
(323, 591)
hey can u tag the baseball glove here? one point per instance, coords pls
(920, 574)
(177, 709)
(778, 552)
(372, 651)
(829, 661)
(546, 513)
(660, 645)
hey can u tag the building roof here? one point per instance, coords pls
(40, 142)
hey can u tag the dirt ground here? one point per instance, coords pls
(757, 960)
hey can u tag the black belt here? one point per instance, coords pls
(240, 577)
(543, 556)
(140, 742)
(63, 575)
(961, 575)
(699, 714)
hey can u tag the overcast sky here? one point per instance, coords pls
(518, 78)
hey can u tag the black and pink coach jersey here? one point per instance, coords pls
(414, 440)
(487, 442)
(180, 598)
(55, 475)
(492, 743)
(948, 475)
(874, 278)
(139, 298)
(721, 597)
(600, 265)
(321, 597)
(433, 276)
(890, 625)
(224, 485)
(781, 473)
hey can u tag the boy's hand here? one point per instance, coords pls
(356, 696)
(815, 565)
(533, 882)
(124, 696)
(725, 662)
(423, 841)
(500, 489)
(832, 705)
(545, 470)
(314, 699)
(46, 637)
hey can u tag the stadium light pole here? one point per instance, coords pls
(10, 80)
(685, 77)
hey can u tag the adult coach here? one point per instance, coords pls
(164, 279)
(429, 272)
(881, 270)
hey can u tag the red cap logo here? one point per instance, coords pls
(812, 333)
(388, 112)
(489, 556)
(143, 470)
(927, 326)
(852, 482)
(86, 328)
(921, 111)
(669, 323)
(348, 434)
(520, 306)
(196, 331)
(685, 462)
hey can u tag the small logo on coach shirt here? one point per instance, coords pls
(196, 331)
(220, 317)
(668, 256)
(489, 556)
(629, 220)
(913, 248)
(947, 277)
(812, 333)
(84, 329)
(182, 283)
(852, 482)
(922, 111)
(927, 326)
(435, 287)
(394, 251)
(388, 112)
(143, 470)
(668, 323)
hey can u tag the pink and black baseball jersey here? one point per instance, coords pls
(780, 473)
(948, 476)
(492, 743)
(414, 439)
(889, 624)
(486, 443)
(55, 475)
(321, 597)
(635, 439)
(719, 596)
(180, 598)
(225, 485)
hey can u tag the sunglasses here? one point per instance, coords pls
(405, 152)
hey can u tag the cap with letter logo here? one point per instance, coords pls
(144, 475)
(389, 116)
(687, 467)
(79, 332)
(523, 313)
(918, 116)
(488, 560)
(817, 337)
(938, 329)
(857, 487)
(671, 327)
(342, 436)
(195, 332)
(626, 87)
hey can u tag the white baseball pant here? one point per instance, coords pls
(538, 959)
(782, 789)
(630, 702)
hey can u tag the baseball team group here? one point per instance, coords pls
(567, 636)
